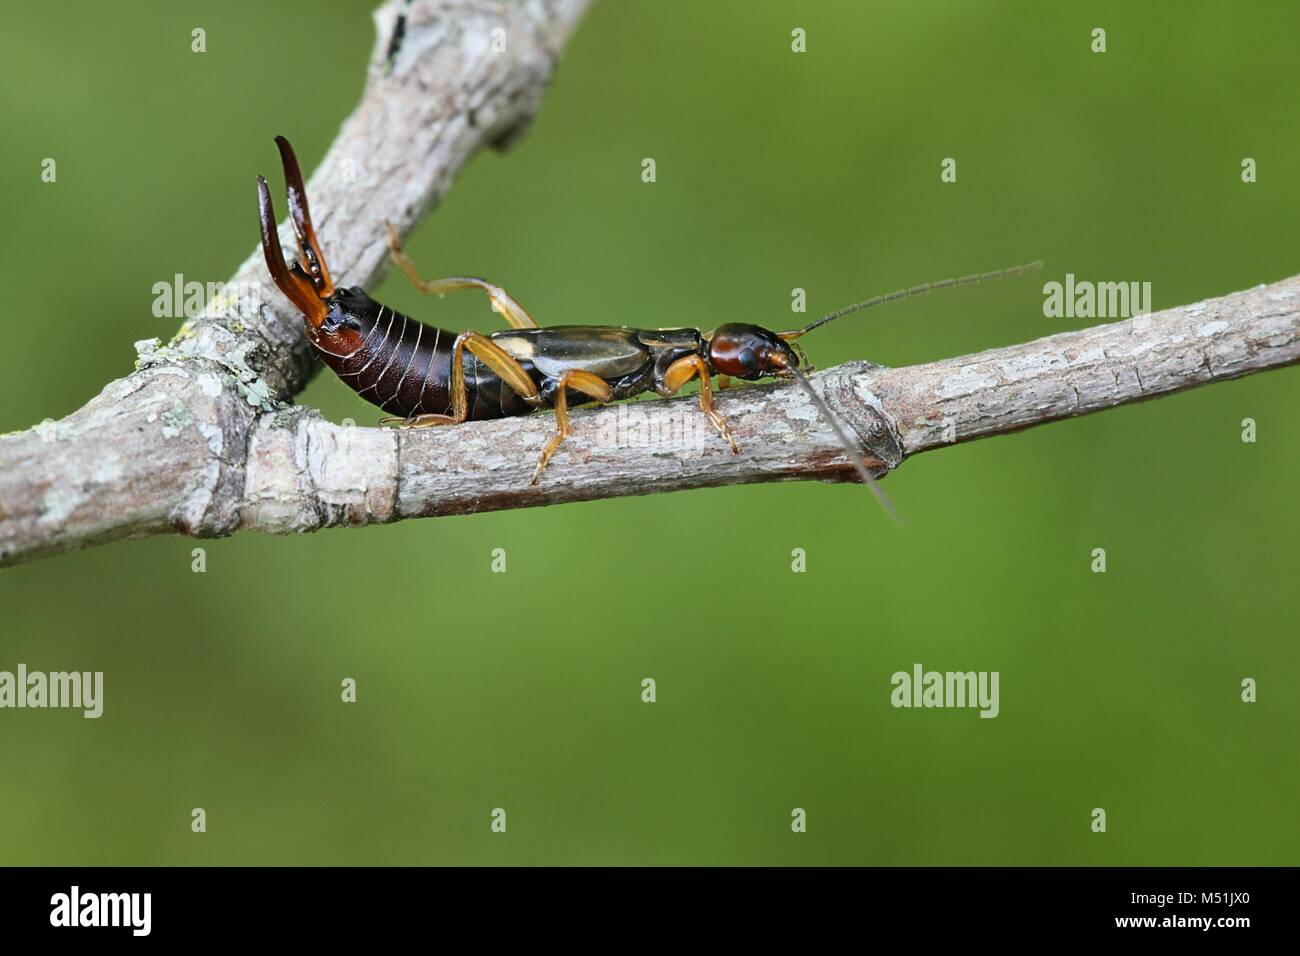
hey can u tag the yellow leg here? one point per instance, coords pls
(514, 313)
(584, 382)
(681, 372)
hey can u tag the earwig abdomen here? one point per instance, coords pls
(387, 358)
(402, 365)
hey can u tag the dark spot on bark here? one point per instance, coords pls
(395, 42)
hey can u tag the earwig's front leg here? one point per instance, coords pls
(514, 313)
(588, 384)
(681, 372)
(490, 354)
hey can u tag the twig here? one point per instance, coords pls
(199, 442)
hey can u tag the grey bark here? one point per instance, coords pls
(199, 440)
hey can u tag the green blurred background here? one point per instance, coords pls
(522, 690)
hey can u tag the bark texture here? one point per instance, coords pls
(199, 439)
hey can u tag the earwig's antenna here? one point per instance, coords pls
(922, 289)
(850, 446)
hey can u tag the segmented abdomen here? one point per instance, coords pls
(404, 367)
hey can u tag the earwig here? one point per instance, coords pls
(424, 376)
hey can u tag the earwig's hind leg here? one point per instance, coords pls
(681, 372)
(514, 313)
(502, 364)
(588, 384)
(497, 359)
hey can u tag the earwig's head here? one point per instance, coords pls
(306, 282)
(751, 352)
